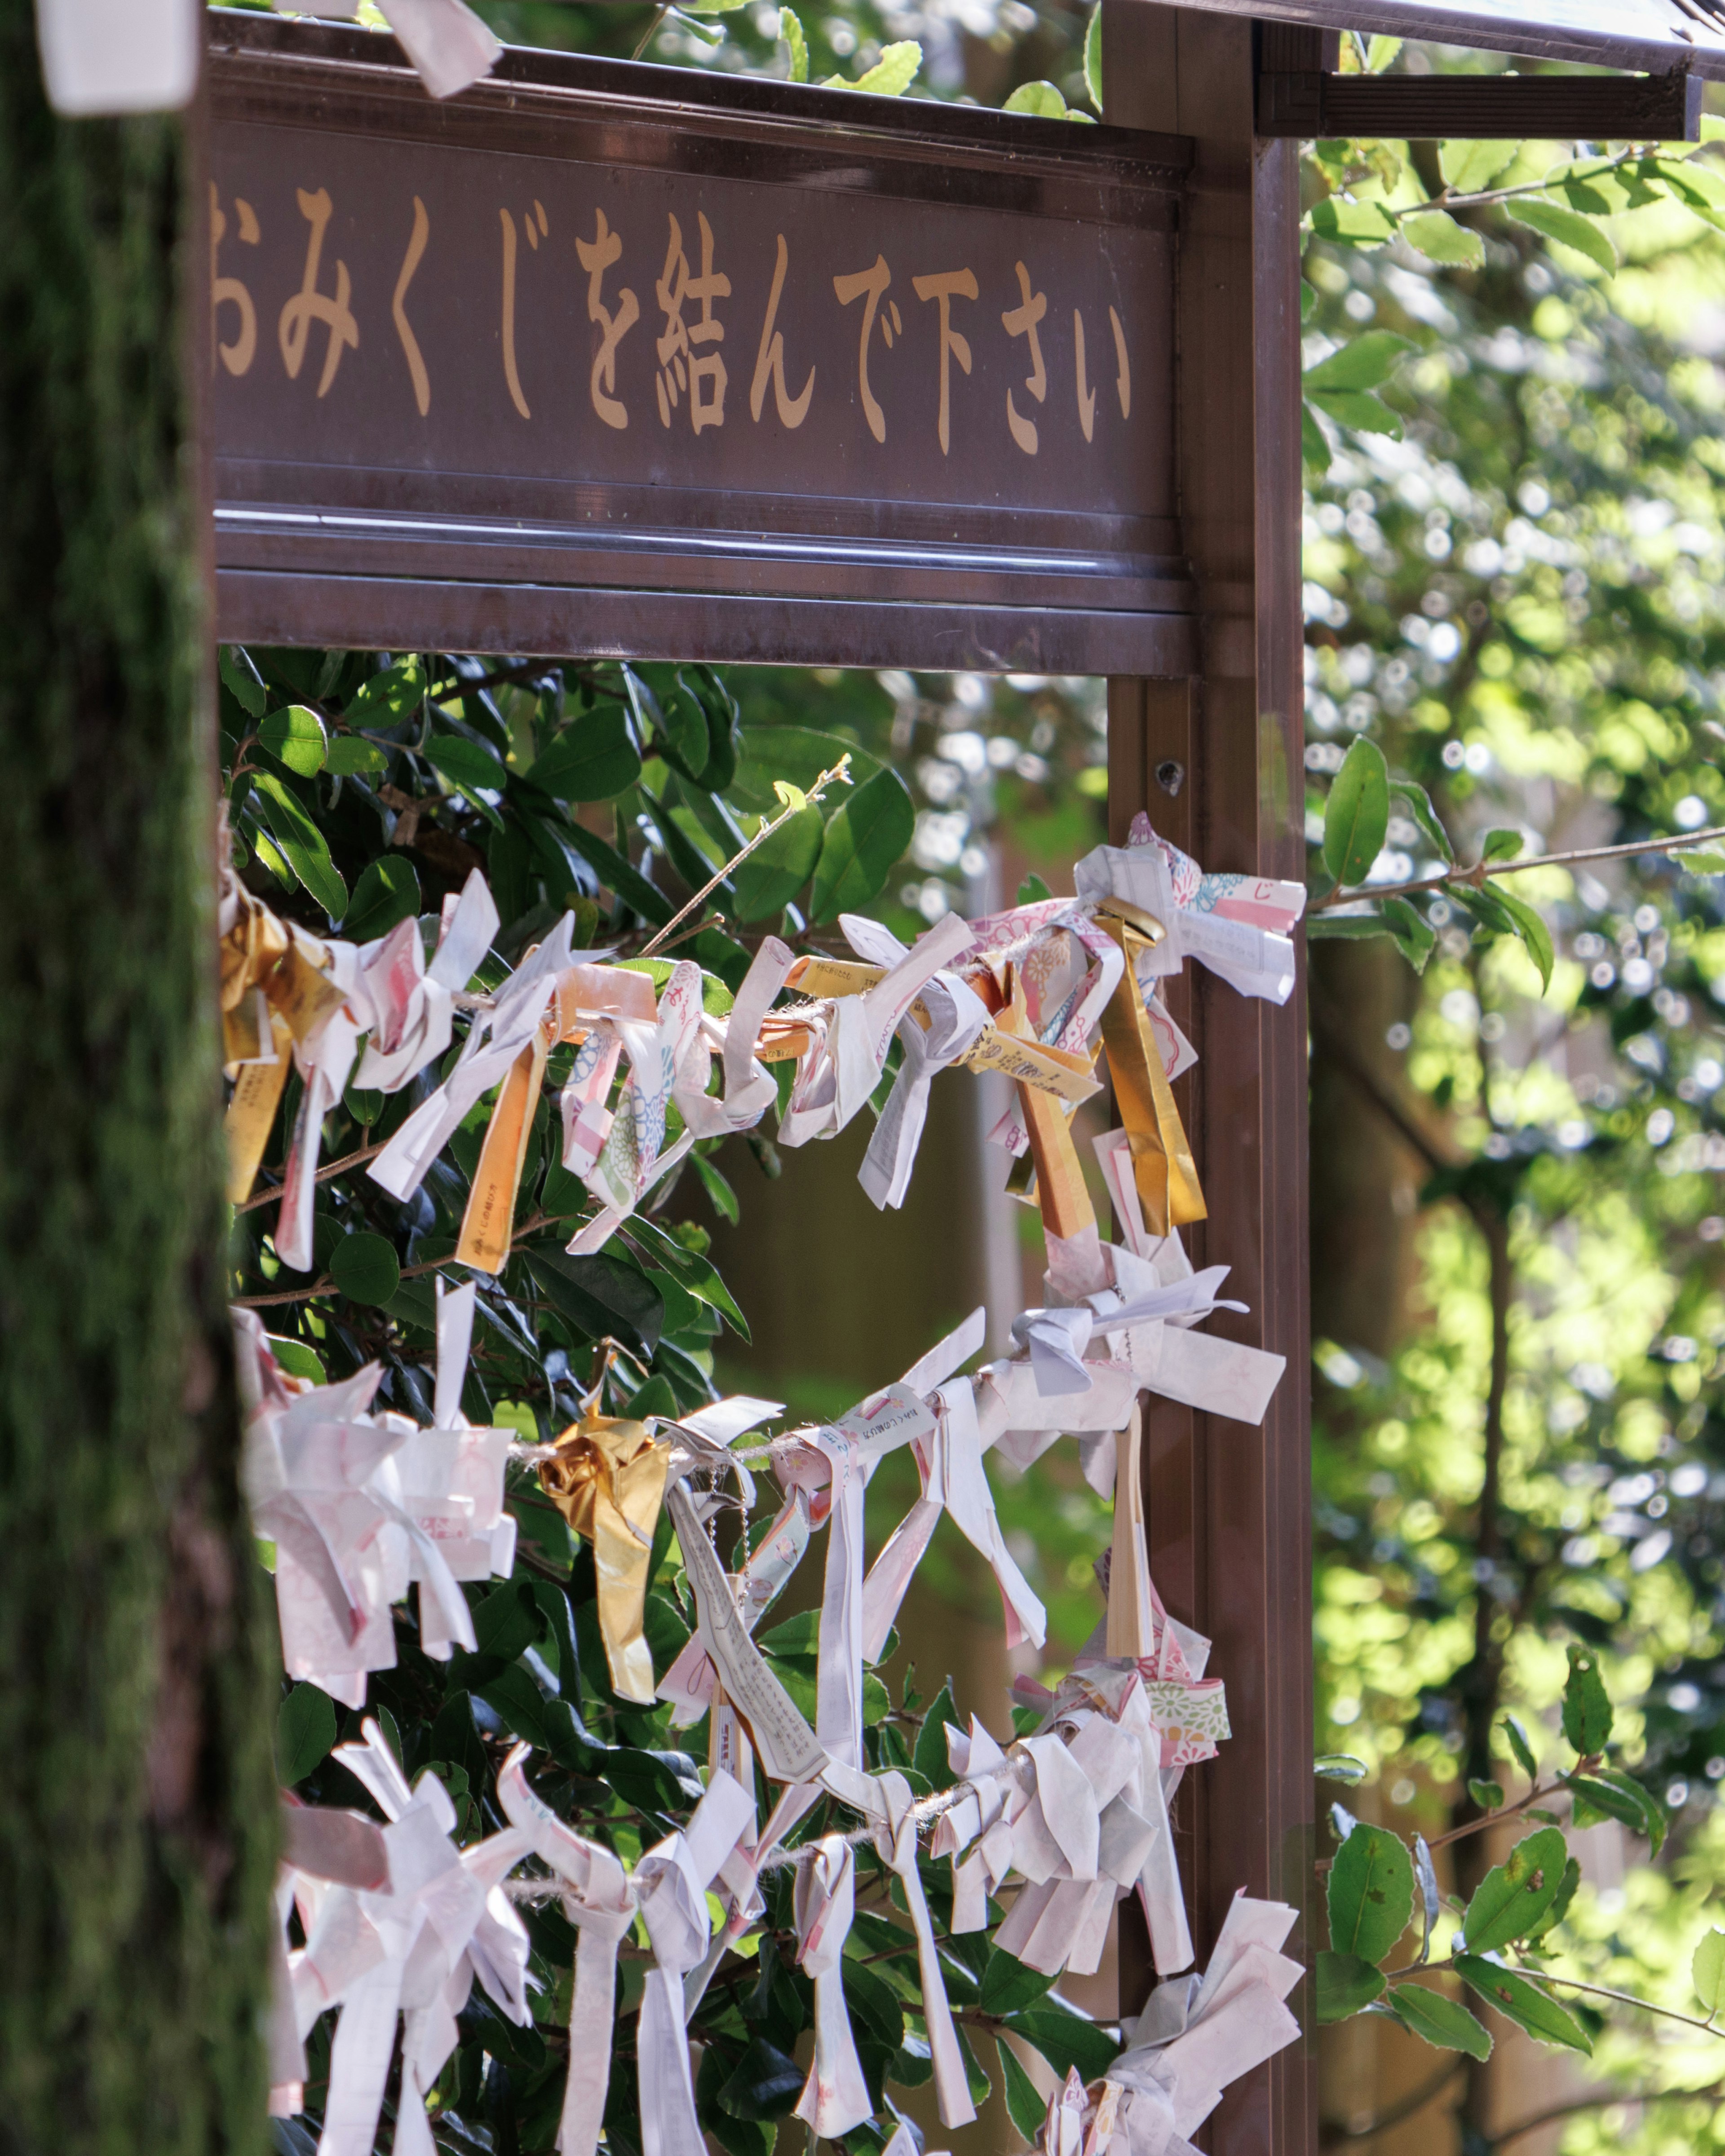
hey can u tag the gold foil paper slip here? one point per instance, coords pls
(607, 1478)
(1162, 1166)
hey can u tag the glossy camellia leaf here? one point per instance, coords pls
(1345, 1984)
(601, 1294)
(1527, 2004)
(241, 678)
(1357, 815)
(865, 842)
(387, 892)
(930, 1758)
(365, 1269)
(1513, 1895)
(1008, 1986)
(1371, 1892)
(765, 2084)
(301, 843)
(771, 876)
(296, 736)
(1619, 1797)
(1526, 923)
(348, 754)
(1587, 1709)
(1559, 1908)
(305, 1732)
(1024, 2106)
(1444, 2022)
(1066, 2040)
(591, 760)
(1363, 363)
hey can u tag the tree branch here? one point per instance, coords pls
(1483, 872)
(1404, 2108)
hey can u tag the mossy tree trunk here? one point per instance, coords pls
(136, 1790)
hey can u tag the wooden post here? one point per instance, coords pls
(1216, 760)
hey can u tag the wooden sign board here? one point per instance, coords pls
(601, 359)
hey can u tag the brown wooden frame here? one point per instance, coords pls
(1217, 761)
(1206, 731)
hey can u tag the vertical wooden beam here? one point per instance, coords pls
(1229, 1506)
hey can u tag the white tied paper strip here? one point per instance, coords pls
(451, 48)
(1057, 1339)
(598, 1898)
(1198, 2034)
(115, 56)
(836, 2098)
(838, 1076)
(494, 1041)
(750, 1089)
(634, 1155)
(413, 1948)
(360, 1506)
(957, 1017)
(1234, 925)
(672, 1880)
(408, 1005)
(895, 1844)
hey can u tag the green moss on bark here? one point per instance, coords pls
(136, 1788)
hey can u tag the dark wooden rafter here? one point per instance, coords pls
(1301, 93)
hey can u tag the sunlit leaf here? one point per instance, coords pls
(1524, 2003)
(1513, 1895)
(1443, 2022)
(1357, 815)
(1371, 1892)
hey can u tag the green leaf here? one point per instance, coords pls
(772, 875)
(1622, 1799)
(301, 843)
(1024, 2106)
(1443, 2022)
(1525, 2004)
(1500, 845)
(1701, 862)
(1352, 224)
(1487, 1795)
(242, 679)
(1706, 1970)
(1469, 168)
(1339, 1767)
(1350, 927)
(1526, 924)
(1345, 1984)
(365, 1269)
(1415, 937)
(630, 885)
(1516, 1738)
(591, 760)
(1040, 99)
(475, 773)
(864, 841)
(305, 1733)
(601, 1294)
(1568, 227)
(1093, 56)
(1360, 409)
(1560, 1905)
(798, 755)
(348, 755)
(296, 736)
(1357, 815)
(1370, 1893)
(893, 72)
(1437, 236)
(1008, 1986)
(298, 1358)
(387, 892)
(930, 1758)
(874, 2004)
(1587, 1711)
(1415, 799)
(765, 2085)
(1362, 363)
(790, 29)
(1513, 1895)
(394, 694)
(1381, 51)
(1066, 2040)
